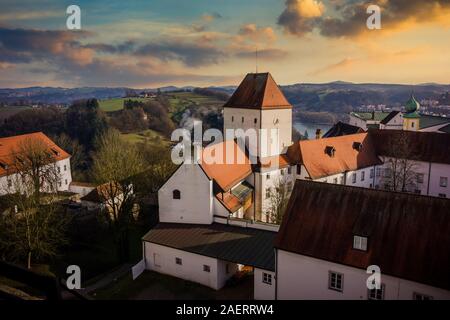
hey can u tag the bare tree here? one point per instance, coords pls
(115, 164)
(34, 226)
(400, 171)
(278, 199)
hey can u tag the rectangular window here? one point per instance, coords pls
(420, 178)
(420, 296)
(360, 243)
(268, 192)
(9, 183)
(58, 169)
(268, 176)
(363, 175)
(65, 167)
(335, 281)
(342, 180)
(282, 172)
(378, 172)
(387, 172)
(371, 173)
(206, 268)
(443, 181)
(353, 177)
(376, 294)
(442, 195)
(232, 119)
(299, 169)
(179, 261)
(289, 170)
(289, 186)
(65, 181)
(267, 278)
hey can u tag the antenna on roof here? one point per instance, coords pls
(256, 59)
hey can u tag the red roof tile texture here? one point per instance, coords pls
(10, 146)
(346, 157)
(232, 165)
(258, 91)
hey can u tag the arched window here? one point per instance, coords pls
(176, 194)
(232, 118)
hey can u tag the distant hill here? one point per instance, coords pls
(336, 97)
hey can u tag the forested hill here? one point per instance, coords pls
(337, 97)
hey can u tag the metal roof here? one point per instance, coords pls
(408, 235)
(245, 246)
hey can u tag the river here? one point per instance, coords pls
(310, 128)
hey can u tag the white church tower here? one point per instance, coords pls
(259, 104)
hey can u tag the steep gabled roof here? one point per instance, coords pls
(10, 146)
(347, 157)
(258, 91)
(408, 235)
(342, 129)
(389, 117)
(232, 167)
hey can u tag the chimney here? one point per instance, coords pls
(318, 133)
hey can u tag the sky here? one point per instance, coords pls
(153, 43)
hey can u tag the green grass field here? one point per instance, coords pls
(116, 104)
(149, 136)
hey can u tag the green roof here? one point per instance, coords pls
(378, 116)
(427, 121)
(411, 115)
(412, 105)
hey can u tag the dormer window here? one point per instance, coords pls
(3, 165)
(330, 150)
(55, 152)
(360, 243)
(357, 146)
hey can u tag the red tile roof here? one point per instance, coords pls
(408, 235)
(233, 166)
(258, 91)
(9, 146)
(312, 154)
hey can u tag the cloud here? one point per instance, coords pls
(254, 33)
(209, 17)
(299, 16)
(348, 18)
(25, 45)
(343, 64)
(264, 54)
(189, 53)
(30, 15)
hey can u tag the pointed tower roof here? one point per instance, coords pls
(258, 91)
(412, 108)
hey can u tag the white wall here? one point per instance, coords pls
(263, 291)
(81, 190)
(65, 178)
(191, 268)
(265, 184)
(196, 203)
(280, 119)
(301, 277)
